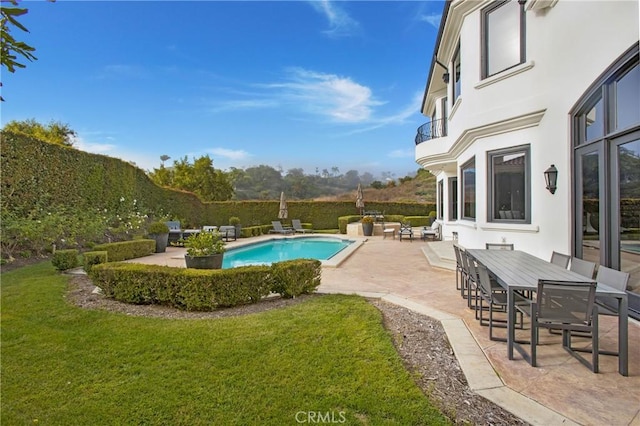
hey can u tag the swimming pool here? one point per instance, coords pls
(281, 249)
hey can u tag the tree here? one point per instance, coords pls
(164, 158)
(55, 132)
(12, 48)
(200, 178)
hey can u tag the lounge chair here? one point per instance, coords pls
(433, 232)
(406, 231)
(278, 229)
(297, 226)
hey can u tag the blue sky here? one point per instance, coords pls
(287, 83)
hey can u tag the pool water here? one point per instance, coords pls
(278, 250)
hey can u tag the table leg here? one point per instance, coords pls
(623, 336)
(511, 306)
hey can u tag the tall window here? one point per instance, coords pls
(468, 173)
(503, 36)
(509, 198)
(457, 86)
(453, 198)
(440, 199)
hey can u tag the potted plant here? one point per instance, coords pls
(159, 231)
(367, 226)
(235, 221)
(205, 250)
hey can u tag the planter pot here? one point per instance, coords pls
(213, 261)
(162, 240)
(367, 229)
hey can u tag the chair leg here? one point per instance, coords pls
(534, 339)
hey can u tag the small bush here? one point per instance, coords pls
(295, 277)
(344, 220)
(92, 258)
(65, 259)
(125, 250)
(157, 228)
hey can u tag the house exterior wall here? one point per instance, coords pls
(567, 47)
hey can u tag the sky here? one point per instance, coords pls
(288, 84)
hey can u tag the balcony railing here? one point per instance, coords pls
(431, 130)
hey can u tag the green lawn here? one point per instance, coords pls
(63, 365)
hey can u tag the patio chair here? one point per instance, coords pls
(433, 232)
(498, 246)
(563, 305)
(606, 305)
(582, 267)
(496, 299)
(560, 259)
(459, 271)
(297, 227)
(278, 229)
(406, 231)
(228, 232)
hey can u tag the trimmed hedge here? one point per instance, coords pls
(65, 259)
(125, 250)
(419, 220)
(92, 258)
(202, 289)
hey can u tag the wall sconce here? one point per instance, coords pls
(445, 78)
(551, 177)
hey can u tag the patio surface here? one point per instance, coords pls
(559, 391)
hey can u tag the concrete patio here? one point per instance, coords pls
(559, 391)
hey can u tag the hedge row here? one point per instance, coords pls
(37, 174)
(125, 250)
(204, 290)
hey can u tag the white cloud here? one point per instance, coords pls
(412, 108)
(232, 154)
(401, 153)
(339, 98)
(93, 147)
(432, 19)
(243, 105)
(340, 23)
(122, 71)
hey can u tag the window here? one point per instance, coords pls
(453, 198)
(468, 173)
(503, 36)
(457, 86)
(509, 198)
(440, 199)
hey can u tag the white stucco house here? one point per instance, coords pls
(518, 86)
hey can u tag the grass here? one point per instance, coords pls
(65, 365)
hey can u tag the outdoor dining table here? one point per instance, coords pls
(516, 270)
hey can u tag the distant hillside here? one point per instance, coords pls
(421, 188)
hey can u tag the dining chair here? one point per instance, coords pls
(495, 297)
(568, 306)
(498, 246)
(582, 267)
(459, 271)
(560, 259)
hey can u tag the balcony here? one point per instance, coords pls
(431, 130)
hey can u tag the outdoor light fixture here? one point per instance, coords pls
(445, 78)
(551, 177)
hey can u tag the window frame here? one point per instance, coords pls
(456, 77)
(491, 195)
(440, 196)
(452, 184)
(484, 37)
(463, 167)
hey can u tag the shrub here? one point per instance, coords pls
(92, 258)
(419, 220)
(295, 277)
(204, 244)
(127, 249)
(157, 228)
(234, 220)
(65, 259)
(367, 219)
(204, 289)
(344, 220)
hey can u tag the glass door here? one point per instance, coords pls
(590, 205)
